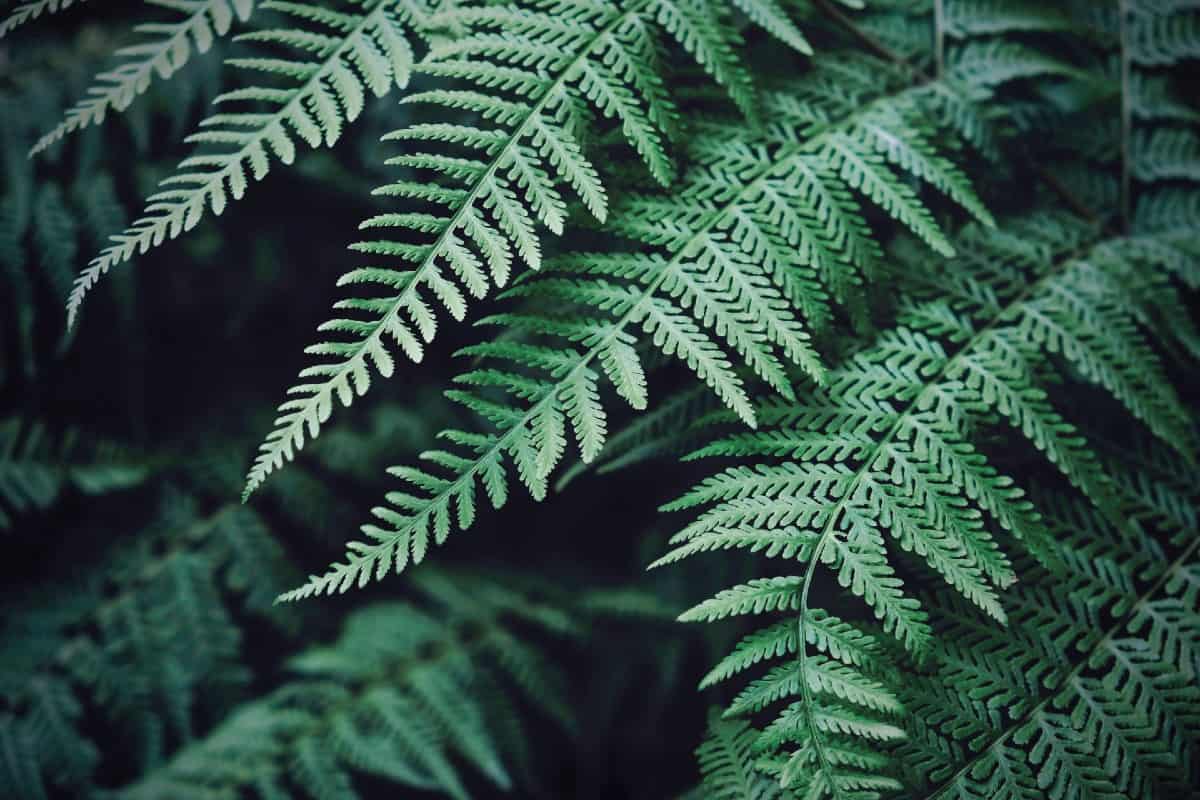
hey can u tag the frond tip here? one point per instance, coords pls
(320, 89)
(168, 47)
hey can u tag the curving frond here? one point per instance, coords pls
(892, 445)
(539, 78)
(762, 233)
(168, 46)
(338, 59)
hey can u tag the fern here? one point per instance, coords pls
(726, 761)
(538, 83)
(1119, 720)
(145, 636)
(890, 445)
(27, 12)
(339, 56)
(167, 49)
(36, 466)
(786, 222)
(406, 694)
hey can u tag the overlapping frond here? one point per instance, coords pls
(726, 760)
(760, 235)
(417, 696)
(891, 446)
(166, 48)
(480, 192)
(337, 58)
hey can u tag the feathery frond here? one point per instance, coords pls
(542, 77)
(27, 12)
(411, 695)
(890, 445)
(339, 57)
(1117, 718)
(167, 48)
(760, 232)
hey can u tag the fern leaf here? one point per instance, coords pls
(560, 70)
(169, 47)
(344, 711)
(27, 12)
(969, 344)
(708, 280)
(323, 89)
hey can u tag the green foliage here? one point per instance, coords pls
(786, 235)
(35, 467)
(409, 694)
(970, 458)
(146, 634)
(167, 48)
(894, 444)
(536, 91)
(337, 57)
(27, 12)
(1116, 719)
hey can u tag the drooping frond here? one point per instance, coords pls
(759, 236)
(543, 77)
(891, 446)
(27, 12)
(338, 58)
(167, 47)
(35, 466)
(415, 696)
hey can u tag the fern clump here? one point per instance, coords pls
(891, 445)
(539, 78)
(761, 231)
(758, 232)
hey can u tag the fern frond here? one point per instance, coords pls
(560, 66)
(740, 267)
(339, 57)
(725, 757)
(27, 12)
(36, 466)
(1163, 33)
(407, 694)
(899, 456)
(969, 18)
(1166, 154)
(1117, 721)
(168, 48)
